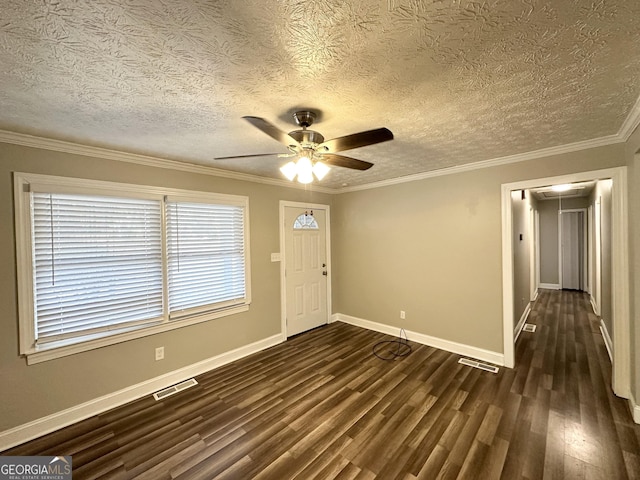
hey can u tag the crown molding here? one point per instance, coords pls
(120, 156)
(629, 125)
(494, 162)
(631, 122)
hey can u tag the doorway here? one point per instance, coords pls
(305, 272)
(621, 365)
(573, 259)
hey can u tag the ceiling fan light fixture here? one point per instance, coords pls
(305, 170)
(320, 170)
(290, 170)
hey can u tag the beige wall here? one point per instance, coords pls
(31, 392)
(433, 248)
(549, 255)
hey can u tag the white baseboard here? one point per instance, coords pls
(550, 286)
(635, 409)
(523, 319)
(535, 295)
(454, 347)
(594, 305)
(607, 339)
(42, 426)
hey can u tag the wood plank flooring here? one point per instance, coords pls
(322, 406)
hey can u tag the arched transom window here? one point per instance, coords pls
(305, 221)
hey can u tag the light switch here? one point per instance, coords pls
(275, 257)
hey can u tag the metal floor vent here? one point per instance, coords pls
(173, 389)
(529, 327)
(480, 365)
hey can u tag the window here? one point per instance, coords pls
(97, 264)
(206, 256)
(305, 221)
(100, 263)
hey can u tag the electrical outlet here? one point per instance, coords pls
(159, 353)
(402, 315)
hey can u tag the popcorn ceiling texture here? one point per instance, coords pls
(456, 81)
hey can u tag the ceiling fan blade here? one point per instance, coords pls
(347, 162)
(356, 140)
(272, 131)
(249, 156)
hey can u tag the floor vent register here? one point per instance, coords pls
(480, 365)
(173, 389)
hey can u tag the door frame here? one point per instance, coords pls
(536, 230)
(283, 285)
(621, 365)
(533, 253)
(584, 257)
(590, 254)
(596, 295)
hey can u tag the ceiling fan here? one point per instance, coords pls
(313, 152)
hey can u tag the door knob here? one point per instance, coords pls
(324, 272)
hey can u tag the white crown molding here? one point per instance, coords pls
(108, 154)
(447, 345)
(627, 128)
(631, 122)
(42, 426)
(494, 162)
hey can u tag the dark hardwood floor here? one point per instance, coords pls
(323, 406)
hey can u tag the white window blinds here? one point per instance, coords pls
(206, 257)
(97, 264)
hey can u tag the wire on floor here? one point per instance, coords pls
(392, 349)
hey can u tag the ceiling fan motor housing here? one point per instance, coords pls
(306, 137)
(304, 118)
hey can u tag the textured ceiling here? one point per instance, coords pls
(456, 81)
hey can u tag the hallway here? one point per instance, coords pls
(586, 430)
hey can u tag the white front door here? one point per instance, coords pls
(306, 270)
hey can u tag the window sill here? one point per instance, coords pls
(64, 348)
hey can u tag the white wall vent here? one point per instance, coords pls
(529, 327)
(167, 392)
(480, 365)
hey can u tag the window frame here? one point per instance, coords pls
(26, 183)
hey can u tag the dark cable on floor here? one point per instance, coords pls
(402, 347)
